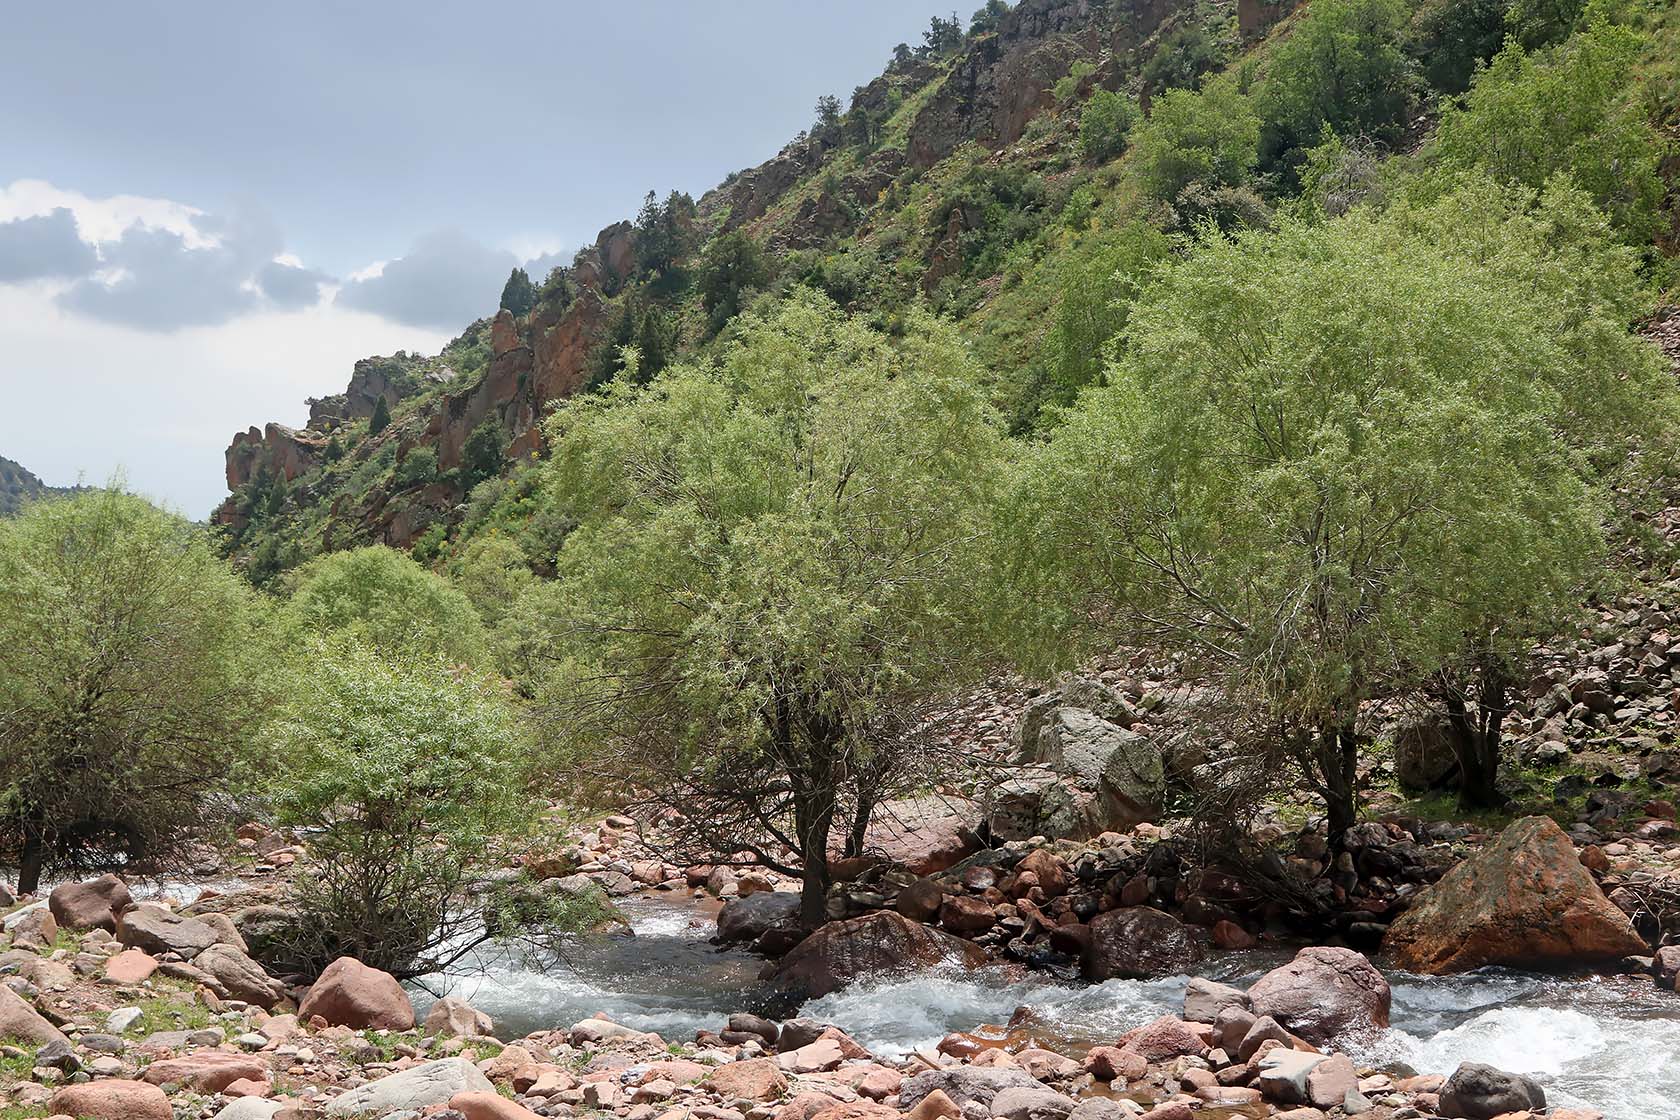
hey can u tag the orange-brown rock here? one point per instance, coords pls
(351, 994)
(489, 1106)
(1523, 901)
(113, 1100)
(208, 1071)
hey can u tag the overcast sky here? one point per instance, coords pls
(208, 211)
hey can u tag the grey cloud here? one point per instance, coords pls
(446, 281)
(42, 247)
(153, 280)
(289, 286)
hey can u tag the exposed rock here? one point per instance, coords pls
(1481, 1092)
(1119, 765)
(747, 918)
(113, 1100)
(1423, 750)
(157, 931)
(131, 966)
(925, 835)
(432, 1083)
(1284, 1072)
(881, 942)
(1322, 993)
(1164, 1038)
(350, 994)
(758, 1079)
(457, 1018)
(1204, 999)
(1037, 1102)
(920, 900)
(250, 1108)
(1523, 901)
(207, 1071)
(1137, 943)
(21, 1022)
(963, 1085)
(242, 977)
(94, 904)
(481, 1105)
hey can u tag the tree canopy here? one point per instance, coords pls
(388, 600)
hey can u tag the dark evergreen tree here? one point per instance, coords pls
(518, 296)
(380, 418)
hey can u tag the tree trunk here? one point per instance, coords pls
(812, 823)
(30, 861)
(860, 824)
(1477, 737)
(1339, 759)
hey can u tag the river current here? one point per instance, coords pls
(1611, 1043)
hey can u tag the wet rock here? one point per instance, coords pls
(1481, 1092)
(747, 918)
(113, 1100)
(920, 901)
(1322, 993)
(432, 1083)
(351, 994)
(94, 904)
(1204, 999)
(1139, 943)
(882, 942)
(966, 914)
(1524, 901)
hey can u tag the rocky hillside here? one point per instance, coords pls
(18, 485)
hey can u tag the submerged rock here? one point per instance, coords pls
(1524, 901)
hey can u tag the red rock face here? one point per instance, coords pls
(1525, 900)
(1255, 17)
(288, 452)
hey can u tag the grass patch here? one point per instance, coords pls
(175, 1007)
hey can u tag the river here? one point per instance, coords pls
(1602, 1042)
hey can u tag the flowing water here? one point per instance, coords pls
(1609, 1043)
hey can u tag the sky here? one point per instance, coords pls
(209, 211)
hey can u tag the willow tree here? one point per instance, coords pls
(126, 684)
(1330, 462)
(774, 562)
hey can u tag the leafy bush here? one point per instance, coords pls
(1105, 124)
(1211, 138)
(418, 468)
(387, 600)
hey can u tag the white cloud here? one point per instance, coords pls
(85, 398)
(104, 219)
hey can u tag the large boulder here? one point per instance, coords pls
(95, 904)
(113, 1100)
(1480, 1092)
(155, 930)
(242, 977)
(433, 1083)
(19, 1022)
(880, 942)
(1139, 943)
(925, 835)
(456, 1018)
(1524, 901)
(1423, 750)
(1122, 767)
(351, 994)
(1323, 993)
(746, 918)
(207, 1071)
(964, 1085)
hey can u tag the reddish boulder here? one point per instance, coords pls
(113, 1100)
(489, 1106)
(130, 966)
(1139, 943)
(207, 1071)
(350, 994)
(1166, 1037)
(1322, 993)
(1111, 1063)
(963, 913)
(95, 904)
(883, 941)
(1524, 901)
(1050, 869)
(19, 1021)
(920, 901)
(925, 835)
(757, 1079)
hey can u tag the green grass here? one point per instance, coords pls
(175, 1007)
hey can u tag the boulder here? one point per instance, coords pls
(480, 1105)
(1423, 751)
(963, 1085)
(250, 1108)
(1204, 1000)
(963, 913)
(1481, 1092)
(1284, 1073)
(450, 1016)
(130, 966)
(432, 1083)
(94, 904)
(34, 928)
(1038, 1102)
(757, 1080)
(350, 994)
(1139, 943)
(19, 1022)
(924, 835)
(747, 918)
(242, 977)
(1121, 766)
(880, 942)
(113, 1100)
(157, 931)
(1324, 992)
(1164, 1038)
(1048, 868)
(919, 901)
(207, 1071)
(1524, 901)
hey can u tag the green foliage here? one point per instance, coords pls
(1571, 109)
(1182, 58)
(943, 37)
(483, 453)
(1104, 125)
(665, 235)
(492, 572)
(1450, 38)
(1540, 23)
(1098, 286)
(1337, 460)
(772, 554)
(409, 778)
(387, 600)
(518, 296)
(1209, 139)
(732, 266)
(1343, 67)
(418, 468)
(1067, 86)
(996, 208)
(126, 685)
(381, 417)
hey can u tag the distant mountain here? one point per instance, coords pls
(18, 485)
